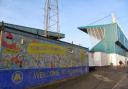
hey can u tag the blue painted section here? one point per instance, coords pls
(23, 78)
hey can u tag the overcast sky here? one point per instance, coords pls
(73, 13)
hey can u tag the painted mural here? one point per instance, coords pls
(25, 52)
(0, 47)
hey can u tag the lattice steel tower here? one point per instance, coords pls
(51, 17)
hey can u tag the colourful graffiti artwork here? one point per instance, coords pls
(0, 48)
(0, 40)
(31, 61)
(26, 52)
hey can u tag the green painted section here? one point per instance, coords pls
(106, 44)
(114, 40)
(94, 26)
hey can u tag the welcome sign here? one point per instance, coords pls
(24, 78)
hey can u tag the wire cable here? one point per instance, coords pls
(100, 19)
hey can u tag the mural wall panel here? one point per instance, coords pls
(20, 51)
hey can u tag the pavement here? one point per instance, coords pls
(122, 84)
(102, 78)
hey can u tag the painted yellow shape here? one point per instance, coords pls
(17, 77)
(44, 48)
(11, 51)
(82, 55)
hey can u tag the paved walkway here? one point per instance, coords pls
(100, 79)
(122, 84)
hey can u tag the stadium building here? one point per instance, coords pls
(111, 45)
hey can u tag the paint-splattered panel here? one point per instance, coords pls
(20, 51)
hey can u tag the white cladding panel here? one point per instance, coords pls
(115, 58)
(98, 59)
(91, 59)
(104, 59)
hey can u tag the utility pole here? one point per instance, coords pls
(51, 17)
